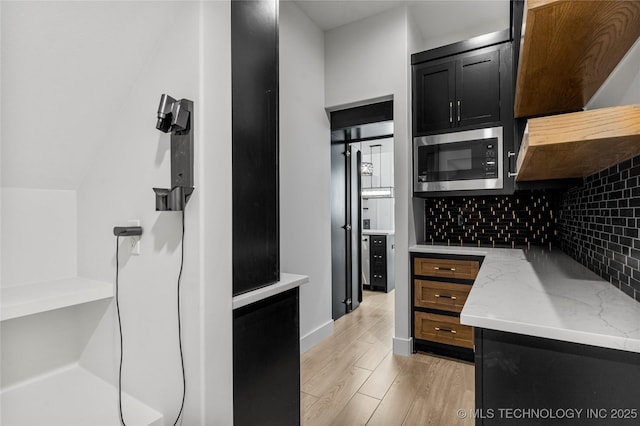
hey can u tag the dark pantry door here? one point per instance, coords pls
(345, 230)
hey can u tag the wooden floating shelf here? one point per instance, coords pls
(27, 299)
(569, 49)
(578, 144)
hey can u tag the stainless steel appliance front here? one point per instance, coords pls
(468, 160)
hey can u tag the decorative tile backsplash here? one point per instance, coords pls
(599, 225)
(526, 218)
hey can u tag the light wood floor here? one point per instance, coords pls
(353, 378)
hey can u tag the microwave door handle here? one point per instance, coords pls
(511, 155)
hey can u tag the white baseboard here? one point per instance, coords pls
(402, 346)
(316, 336)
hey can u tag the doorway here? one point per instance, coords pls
(357, 137)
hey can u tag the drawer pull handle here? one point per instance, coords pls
(439, 268)
(445, 329)
(447, 296)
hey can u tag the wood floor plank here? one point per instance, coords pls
(398, 400)
(358, 411)
(306, 401)
(374, 356)
(446, 389)
(331, 403)
(325, 378)
(383, 377)
(353, 378)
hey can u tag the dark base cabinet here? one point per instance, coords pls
(266, 362)
(524, 380)
(381, 263)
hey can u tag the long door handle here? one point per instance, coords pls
(458, 111)
(450, 112)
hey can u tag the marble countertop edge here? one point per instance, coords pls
(287, 282)
(622, 343)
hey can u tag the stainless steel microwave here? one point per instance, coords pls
(461, 161)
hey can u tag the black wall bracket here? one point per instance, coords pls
(176, 117)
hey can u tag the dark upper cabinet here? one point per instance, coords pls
(254, 62)
(434, 87)
(462, 90)
(478, 89)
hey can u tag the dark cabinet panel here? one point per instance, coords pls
(266, 362)
(463, 90)
(598, 386)
(254, 61)
(378, 261)
(381, 262)
(478, 89)
(434, 93)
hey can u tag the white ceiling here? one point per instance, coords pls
(434, 18)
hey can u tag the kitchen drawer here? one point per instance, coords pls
(446, 268)
(440, 295)
(443, 329)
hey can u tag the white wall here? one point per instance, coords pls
(181, 48)
(214, 166)
(622, 87)
(445, 22)
(366, 60)
(305, 165)
(119, 187)
(38, 235)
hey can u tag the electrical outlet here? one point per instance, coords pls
(134, 242)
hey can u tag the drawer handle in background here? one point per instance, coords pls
(439, 268)
(448, 297)
(445, 329)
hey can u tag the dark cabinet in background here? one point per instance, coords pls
(382, 274)
(254, 62)
(463, 90)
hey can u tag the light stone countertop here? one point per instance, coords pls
(378, 232)
(547, 294)
(287, 282)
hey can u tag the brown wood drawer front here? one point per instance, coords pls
(446, 268)
(443, 329)
(440, 295)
